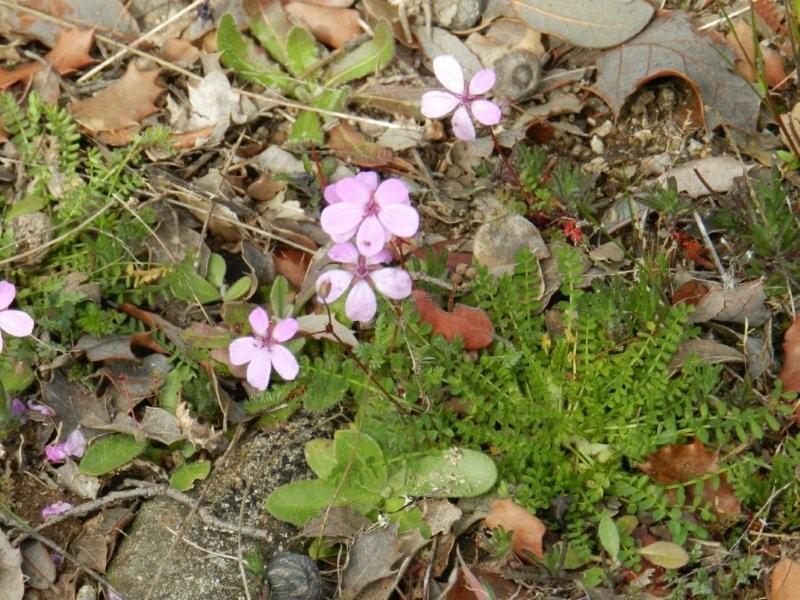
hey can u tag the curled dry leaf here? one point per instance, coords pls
(743, 42)
(526, 529)
(199, 434)
(70, 53)
(688, 462)
(784, 582)
(790, 373)
(708, 351)
(715, 302)
(333, 26)
(12, 585)
(471, 325)
(772, 15)
(113, 115)
(350, 145)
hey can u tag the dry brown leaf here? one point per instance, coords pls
(199, 434)
(113, 115)
(180, 52)
(784, 582)
(12, 586)
(769, 12)
(527, 530)
(352, 146)
(790, 373)
(471, 325)
(95, 545)
(70, 53)
(708, 351)
(331, 25)
(688, 462)
(671, 47)
(715, 302)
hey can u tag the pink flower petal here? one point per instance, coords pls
(400, 219)
(449, 73)
(1, 343)
(337, 281)
(42, 409)
(7, 294)
(342, 218)
(361, 304)
(18, 408)
(486, 112)
(462, 124)
(242, 350)
(284, 330)
(55, 509)
(331, 197)
(344, 253)
(384, 256)
(16, 322)
(351, 190)
(392, 283)
(284, 362)
(482, 82)
(259, 369)
(259, 321)
(371, 236)
(368, 179)
(55, 453)
(437, 104)
(75, 444)
(392, 191)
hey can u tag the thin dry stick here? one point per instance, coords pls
(97, 68)
(274, 99)
(239, 541)
(727, 279)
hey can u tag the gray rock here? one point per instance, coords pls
(458, 14)
(258, 465)
(498, 242)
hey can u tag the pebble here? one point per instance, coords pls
(604, 129)
(458, 14)
(498, 242)
(597, 145)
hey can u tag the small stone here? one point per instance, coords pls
(458, 14)
(604, 129)
(666, 98)
(32, 231)
(498, 242)
(597, 145)
(294, 577)
(644, 136)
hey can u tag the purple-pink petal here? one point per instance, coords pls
(436, 104)
(331, 197)
(341, 219)
(392, 191)
(371, 236)
(337, 281)
(75, 444)
(361, 304)
(284, 362)
(392, 282)
(384, 256)
(259, 321)
(16, 323)
(55, 453)
(284, 330)
(54, 509)
(242, 350)
(400, 219)
(18, 408)
(344, 253)
(259, 369)
(449, 73)
(351, 190)
(482, 82)
(42, 409)
(462, 124)
(486, 112)
(368, 179)
(7, 294)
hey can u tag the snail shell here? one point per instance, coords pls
(518, 74)
(294, 576)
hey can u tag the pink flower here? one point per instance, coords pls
(263, 350)
(362, 273)
(18, 408)
(74, 446)
(55, 509)
(42, 409)
(466, 100)
(358, 206)
(13, 322)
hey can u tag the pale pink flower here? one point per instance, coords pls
(42, 409)
(74, 446)
(467, 100)
(263, 349)
(360, 274)
(55, 509)
(359, 206)
(13, 322)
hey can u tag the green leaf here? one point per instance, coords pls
(361, 470)
(238, 289)
(307, 129)
(26, 206)
(334, 99)
(15, 375)
(665, 554)
(184, 476)
(173, 384)
(320, 457)
(455, 472)
(300, 501)
(216, 270)
(242, 55)
(370, 57)
(609, 536)
(110, 453)
(279, 298)
(271, 29)
(301, 48)
(191, 287)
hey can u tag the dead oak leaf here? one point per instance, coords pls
(784, 582)
(671, 47)
(471, 325)
(114, 114)
(689, 462)
(526, 529)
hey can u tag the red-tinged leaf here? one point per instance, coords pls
(350, 145)
(292, 264)
(471, 325)
(526, 529)
(790, 373)
(769, 12)
(671, 47)
(331, 25)
(689, 462)
(784, 582)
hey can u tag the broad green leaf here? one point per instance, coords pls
(307, 129)
(26, 206)
(320, 457)
(184, 476)
(360, 463)
(455, 472)
(170, 392)
(216, 270)
(334, 99)
(370, 57)
(236, 313)
(242, 55)
(110, 453)
(301, 48)
(665, 554)
(238, 289)
(191, 287)
(15, 375)
(609, 536)
(270, 26)
(300, 501)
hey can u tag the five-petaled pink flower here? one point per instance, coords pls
(75, 446)
(467, 100)
(358, 206)
(56, 508)
(263, 349)
(12, 322)
(362, 272)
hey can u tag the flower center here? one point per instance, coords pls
(371, 208)
(361, 269)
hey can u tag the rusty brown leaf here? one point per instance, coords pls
(790, 373)
(471, 325)
(352, 146)
(784, 582)
(526, 529)
(333, 26)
